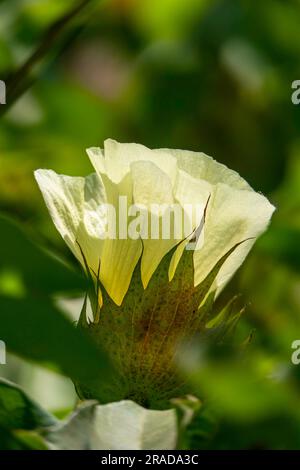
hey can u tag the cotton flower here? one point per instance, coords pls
(227, 216)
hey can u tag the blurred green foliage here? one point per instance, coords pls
(203, 75)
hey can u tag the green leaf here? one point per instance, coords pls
(20, 441)
(116, 426)
(36, 330)
(41, 272)
(18, 411)
(236, 388)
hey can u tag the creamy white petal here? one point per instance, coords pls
(194, 193)
(118, 260)
(76, 207)
(152, 186)
(121, 254)
(201, 166)
(126, 425)
(96, 156)
(232, 216)
(73, 203)
(118, 256)
(122, 425)
(116, 158)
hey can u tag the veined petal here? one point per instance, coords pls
(201, 166)
(74, 204)
(152, 186)
(116, 158)
(76, 207)
(120, 254)
(190, 190)
(194, 193)
(233, 215)
(118, 260)
(96, 156)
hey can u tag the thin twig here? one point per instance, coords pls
(19, 81)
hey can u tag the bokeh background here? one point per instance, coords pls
(207, 75)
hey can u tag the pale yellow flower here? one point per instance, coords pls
(160, 297)
(234, 212)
